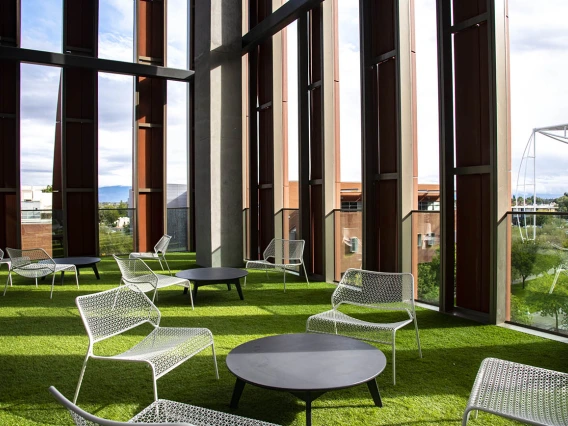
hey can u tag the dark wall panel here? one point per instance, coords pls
(388, 113)
(465, 9)
(387, 232)
(79, 24)
(80, 242)
(472, 242)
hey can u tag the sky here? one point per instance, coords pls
(539, 52)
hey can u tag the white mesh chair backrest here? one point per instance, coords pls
(285, 251)
(136, 271)
(114, 311)
(82, 418)
(162, 245)
(382, 290)
(37, 262)
(1, 254)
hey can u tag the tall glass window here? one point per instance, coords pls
(115, 164)
(42, 25)
(38, 113)
(116, 30)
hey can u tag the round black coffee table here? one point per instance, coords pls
(207, 276)
(79, 262)
(306, 365)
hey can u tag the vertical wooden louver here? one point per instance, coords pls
(10, 128)
(261, 134)
(380, 150)
(150, 119)
(75, 161)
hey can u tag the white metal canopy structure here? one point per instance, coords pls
(526, 179)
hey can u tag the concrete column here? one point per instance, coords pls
(331, 131)
(407, 106)
(501, 288)
(280, 132)
(218, 133)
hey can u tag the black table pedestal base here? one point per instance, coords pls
(307, 397)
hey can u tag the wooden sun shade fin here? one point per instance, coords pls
(316, 141)
(262, 143)
(10, 128)
(380, 146)
(150, 130)
(78, 162)
(472, 127)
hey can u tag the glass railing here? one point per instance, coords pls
(116, 231)
(178, 221)
(426, 255)
(348, 241)
(43, 228)
(539, 271)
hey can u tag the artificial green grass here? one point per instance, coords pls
(43, 342)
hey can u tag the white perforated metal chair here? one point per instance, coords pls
(112, 312)
(35, 263)
(161, 412)
(135, 272)
(158, 254)
(377, 290)
(282, 256)
(520, 392)
(6, 262)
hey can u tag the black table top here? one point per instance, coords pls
(306, 362)
(212, 274)
(77, 260)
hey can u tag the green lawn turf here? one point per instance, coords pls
(43, 343)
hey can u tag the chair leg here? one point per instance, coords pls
(76, 278)
(36, 281)
(215, 360)
(245, 284)
(161, 266)
(465, 417)
(191, 295)
(305, 273)
(52, 284)
(393, 358)
(155, 383)
(168, 266)
(80, 379)
(9, 279)
(155, 296)
(417, 337)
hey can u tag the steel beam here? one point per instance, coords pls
(67, 60)
(276, 21)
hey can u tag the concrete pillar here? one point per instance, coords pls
(331, 131)
(218, 133)
(408, 148)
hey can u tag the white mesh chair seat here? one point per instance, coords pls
(115, 311)
(136, 273)
(161, 412)
(167, 346)
(158, 254)
(281, 255)
(532, 395)
(375, 290)
(35, 263)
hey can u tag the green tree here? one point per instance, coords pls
(523, 259)
(553, 304)
(520, 311)
(563, 203)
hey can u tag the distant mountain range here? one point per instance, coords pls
(113, 194)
